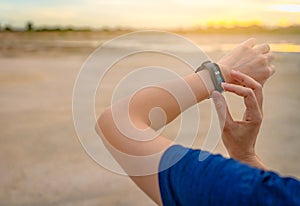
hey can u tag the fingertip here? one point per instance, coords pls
(267, 46)
(270, 56)
(272, 70)
(251, 42)
(218, 100)
(224, 85)
(215, 95)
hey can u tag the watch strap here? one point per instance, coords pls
(215, 74)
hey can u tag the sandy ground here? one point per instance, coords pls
(42, 160)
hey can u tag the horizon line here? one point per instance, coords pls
(237, 29)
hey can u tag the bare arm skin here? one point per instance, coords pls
(140, 106)
(255, 61)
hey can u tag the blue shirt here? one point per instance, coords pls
(184, 180)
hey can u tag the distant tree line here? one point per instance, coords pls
(29, 27)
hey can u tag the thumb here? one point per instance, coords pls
(222, 109)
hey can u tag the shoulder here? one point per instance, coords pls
(186, 177)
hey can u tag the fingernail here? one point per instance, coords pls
(223, 85)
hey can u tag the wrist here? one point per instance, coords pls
(250, 159)
(225, 72)
(206, 79)
(242, 156)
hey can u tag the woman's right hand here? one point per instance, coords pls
(239, 137)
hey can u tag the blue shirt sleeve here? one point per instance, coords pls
(184, 180)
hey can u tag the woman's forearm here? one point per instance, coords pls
(172, 97)
(129, 125)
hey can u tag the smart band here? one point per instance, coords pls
(215, 74)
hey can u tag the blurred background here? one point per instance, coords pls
(43, 45)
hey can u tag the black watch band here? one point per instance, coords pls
(215, 74)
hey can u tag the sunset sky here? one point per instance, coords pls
(150, 13)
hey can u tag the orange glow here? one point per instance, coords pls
(233, 23)
(285, 48)
(275, 47)
(151, 14)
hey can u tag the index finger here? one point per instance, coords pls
(249, 99)
(247, 81)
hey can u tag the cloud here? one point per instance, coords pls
(293, 8)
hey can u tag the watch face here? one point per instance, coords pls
(219, 79)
